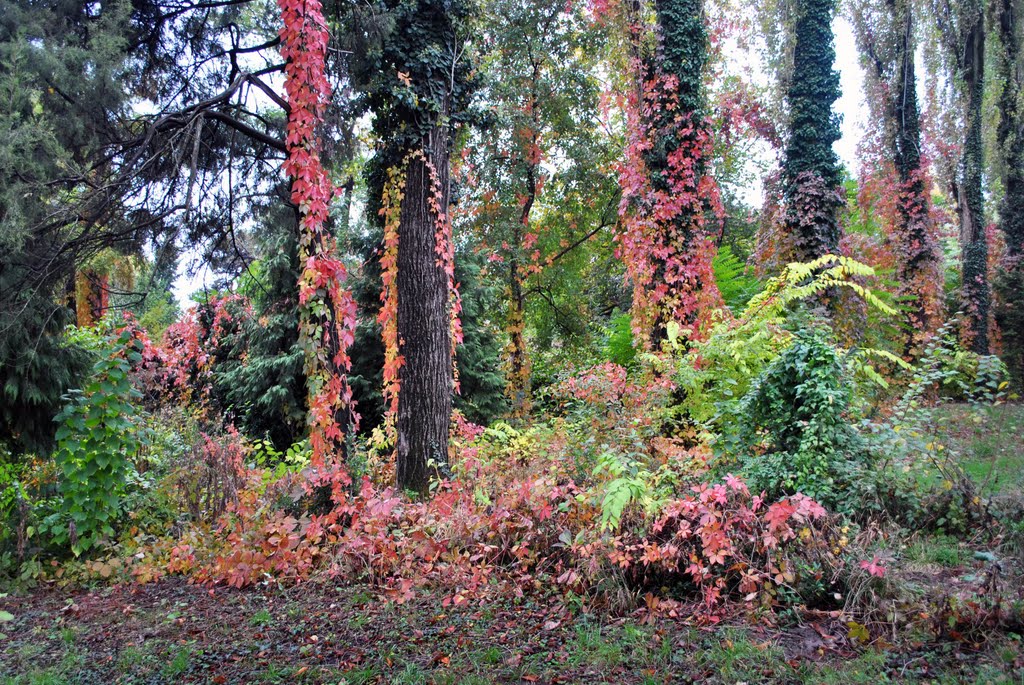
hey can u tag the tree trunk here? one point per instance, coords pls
(426, 378)
(919, 264)
(518, 360)
(1009, 285)
(973, 242)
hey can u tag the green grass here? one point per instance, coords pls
(942, 550)
(590, 647)
(261, 619)
(736, 658)
(988, 443)
(178, 662)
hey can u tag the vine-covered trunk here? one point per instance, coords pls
(327, 313)
(426, 376)
(973, 239)
(92, 296)
(811, 169)
(919, 257)
(1009, 282)
(668, 197)
(518, 384)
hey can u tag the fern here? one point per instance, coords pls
(735, 284)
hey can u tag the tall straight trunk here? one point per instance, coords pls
(919, 265)
(518, 359)
(1009, 309)
(426, 376)
(810, 170)
(518, 356)
(973, 242)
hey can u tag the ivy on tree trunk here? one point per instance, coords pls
(670, 203)
(811, 173)
(1009, 279)
(973, 237)
(417, 83)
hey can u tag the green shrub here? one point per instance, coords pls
(795, 414)
(734, 282)
(96, 440)
(619, 347)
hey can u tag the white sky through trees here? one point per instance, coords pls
(851, 106)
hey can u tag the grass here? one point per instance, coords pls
(941, 550)
(990, 442)
(261, 619)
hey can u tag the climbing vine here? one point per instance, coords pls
(670, 203)
(327, 312)
(810, 171)
(391, 213)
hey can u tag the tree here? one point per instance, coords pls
(811, 174)
(539, 175)
(59, 80)
(1009, 280)
(886, 37)
(670, 202)
(83, 171)
(417, 85)
(961, 30)
(266, 388)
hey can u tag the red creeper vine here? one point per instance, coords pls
(666, 243)
(391, 210)
(327, 312)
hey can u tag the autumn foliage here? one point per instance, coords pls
(670, 204)
(327, 310)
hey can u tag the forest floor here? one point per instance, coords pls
(328, 631)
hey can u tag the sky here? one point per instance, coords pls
(851, 106)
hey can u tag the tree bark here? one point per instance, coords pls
(973, 240)
(1009, 282)
(426, 377)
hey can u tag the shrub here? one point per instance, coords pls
(794, 416)
(96, 440)
(619, 348)
(719, 539)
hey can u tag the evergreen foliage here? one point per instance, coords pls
(409, 67)
(811, 171)
(1008, 283)
(266, 391)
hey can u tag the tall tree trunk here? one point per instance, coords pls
(811, 169)
(518, 356)
(919, 256)
(973, 242)
(1009, 285)
(426, 376)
